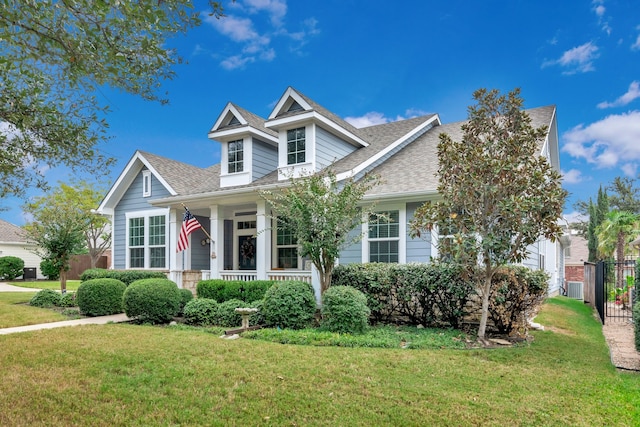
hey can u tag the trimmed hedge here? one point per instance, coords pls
(100, 297)
(49, 269)
(152, 300)
(226, 314)
(344, 310)
(68, 299)
(289, 304)
(11, 267)
(200, 312)
(125, 276)
(45, 298)
(225, 290)
(185, 296)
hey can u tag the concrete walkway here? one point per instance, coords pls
(5, 287)
(101, 320)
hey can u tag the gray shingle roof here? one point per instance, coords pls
(182, 177)
(255, 121)
(10, 233)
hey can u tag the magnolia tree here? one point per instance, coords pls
(56, 56)
(499, 194)
(321, 212)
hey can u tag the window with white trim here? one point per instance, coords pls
(296, 146)
(146, 240)
(286, 247)
(146, 183)
(384, 237)
(235, 156)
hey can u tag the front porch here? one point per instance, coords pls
(188, 279)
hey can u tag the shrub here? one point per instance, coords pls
(45, 298)
(11, 267)
(289, 304)
(125, 276)
(185, 296)
(226, 315)
(344, 310)
(68, 299)
(517, 295)
(152, 300)
(100, 297)
(373, 280)
(636, 323)
(225, 290)
(200, 312)
(257, 318)
(49, 270)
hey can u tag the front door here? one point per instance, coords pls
(247, 252)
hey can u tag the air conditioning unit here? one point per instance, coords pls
(575, 290)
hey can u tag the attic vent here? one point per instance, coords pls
(295, 107)
(234, 121)
(575, 290)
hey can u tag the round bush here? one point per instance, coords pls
(200, 312)
(185, 296)
(152, 300)
(344, 310)
(45, 298)
(67, 299)
(257, 318)
(226, 315)
(289, 304)
(49, 269)
(100, 297)
(10, 267)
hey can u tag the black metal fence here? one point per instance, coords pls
(615, 290)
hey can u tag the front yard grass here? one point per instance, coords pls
(72, 285)
(115, 375)
(15, 311)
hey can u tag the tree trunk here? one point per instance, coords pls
(486, 289)
(620, 261)
(63, 280)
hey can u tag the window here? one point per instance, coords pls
(287, 247)
(384, 237)
(147, 241)
(146, 183)
(296, 146)
(236, 156)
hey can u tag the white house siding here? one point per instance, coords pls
(21, 250)
(330, 148)
(265, 159)
(131, 201)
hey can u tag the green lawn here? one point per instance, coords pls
(15, 311)
(72, 285)
(127, 375)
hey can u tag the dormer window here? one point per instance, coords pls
(296, 146)
(236, 156)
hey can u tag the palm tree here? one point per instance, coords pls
(615, 233)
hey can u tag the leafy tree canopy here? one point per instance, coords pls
(55, 57)
(499, 194)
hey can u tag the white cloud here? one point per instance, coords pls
(600, 10)
(636, 45)
(258, 45)
(572, 176)
(607, 142)
(576, 60)
(631, 94)
(373, 118)
(574, 217)
(630, 169)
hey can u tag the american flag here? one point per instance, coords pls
(189, 225)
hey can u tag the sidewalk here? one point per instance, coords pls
(5, 287)
(101, 320)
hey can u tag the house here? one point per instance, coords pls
(147, 201)
(14, 243)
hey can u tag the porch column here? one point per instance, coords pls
(263, 241)
(175, 258)
(217, 245)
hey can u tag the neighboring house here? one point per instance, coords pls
(146, 202)
(574, 258)
(14, 243)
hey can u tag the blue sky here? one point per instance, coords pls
(376, 61)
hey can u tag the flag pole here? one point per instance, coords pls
(201, 227)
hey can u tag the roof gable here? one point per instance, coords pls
(10, 233)
(234, 121)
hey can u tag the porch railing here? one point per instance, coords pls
(245, 276)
